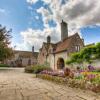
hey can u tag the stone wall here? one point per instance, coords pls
(53, 63)
(42, 56)
(95, 64)
(50, 60)
(63, 55)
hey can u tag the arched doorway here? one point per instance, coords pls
(60, 63)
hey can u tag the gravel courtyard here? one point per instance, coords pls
(17, 85)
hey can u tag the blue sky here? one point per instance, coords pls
(32, 20)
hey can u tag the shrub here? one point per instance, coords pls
(39, 68)
(36, 68)
(87, 54)
(68, 73)
(4, 65)
(28, 69)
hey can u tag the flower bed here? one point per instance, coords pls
(83, 79)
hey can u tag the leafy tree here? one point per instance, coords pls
(5, 50)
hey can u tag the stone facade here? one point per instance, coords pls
(23, 58)
(42, 57)
(53, 58)
(56, 54)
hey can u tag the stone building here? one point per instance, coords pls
(56, 53)
(23, 58)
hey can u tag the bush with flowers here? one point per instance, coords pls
(84, 79)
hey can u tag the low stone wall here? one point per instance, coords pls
(95, 64)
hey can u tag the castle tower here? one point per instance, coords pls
(64, 30)
(48, 39)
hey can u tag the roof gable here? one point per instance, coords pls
(66, 43)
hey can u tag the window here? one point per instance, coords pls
(77, 48)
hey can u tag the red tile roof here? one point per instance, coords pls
(64, 45)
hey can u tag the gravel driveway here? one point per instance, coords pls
(17, 85)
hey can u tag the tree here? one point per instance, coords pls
(5, 50)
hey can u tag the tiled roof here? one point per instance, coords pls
(64, 45)
(26, 54)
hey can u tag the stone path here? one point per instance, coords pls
(17, 85)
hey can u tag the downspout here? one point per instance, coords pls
(54, 61)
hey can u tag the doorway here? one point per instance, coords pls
(60, 63)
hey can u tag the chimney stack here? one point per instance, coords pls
(48, 39)
(33, 50)
(64, 30)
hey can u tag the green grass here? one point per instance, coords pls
(4, 65)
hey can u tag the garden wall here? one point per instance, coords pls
(96, 64)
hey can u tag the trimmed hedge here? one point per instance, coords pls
(36, 68)
(4, 65)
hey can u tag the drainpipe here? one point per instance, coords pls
(54, 60)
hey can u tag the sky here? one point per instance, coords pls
(33, 20)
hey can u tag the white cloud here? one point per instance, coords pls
(77, 13)
(46, 15)
(32, 1)
(36, 37)
(2, 10)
